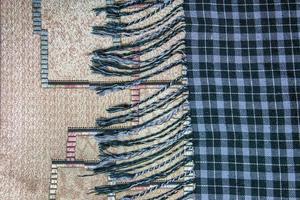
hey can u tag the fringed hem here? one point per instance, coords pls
(131, 163)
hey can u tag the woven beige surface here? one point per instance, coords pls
(34, 121)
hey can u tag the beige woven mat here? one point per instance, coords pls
(34, 120)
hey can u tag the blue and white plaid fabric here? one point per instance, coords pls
(244, 77)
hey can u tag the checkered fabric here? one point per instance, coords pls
(244, 80)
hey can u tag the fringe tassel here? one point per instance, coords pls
(169, 98)
(133, 2)
(134, 52)
(117, 62)
(101, 69)
(103, 90)
(148, 38)
(124, 176)
(125, 186)
(132, 197)
(112, 30)
(130, 52)
(109, 135)
(140, 162)
(100, 65)
(110, 157)
(148, 138)
(131, 67)
(123, 5)
(175, 190)
(165, 195)
(136, 31)
(170, 152)
(124, 107)
(107, 165)
(115, 134)
(115, 11)
(122, 25)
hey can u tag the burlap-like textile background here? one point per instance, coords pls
(34, 120)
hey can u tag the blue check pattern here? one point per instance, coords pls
(244, 81)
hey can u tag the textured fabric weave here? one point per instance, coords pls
(244, 81)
